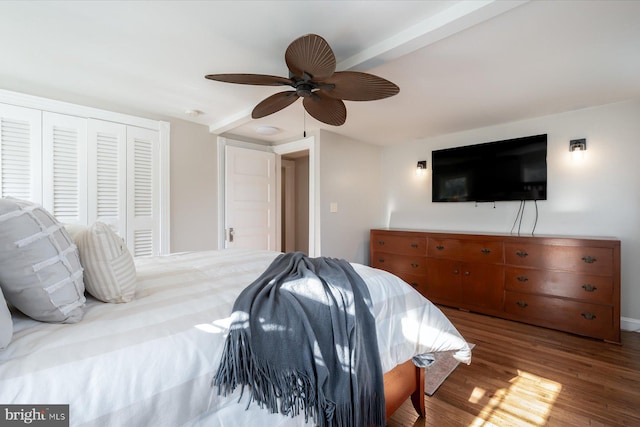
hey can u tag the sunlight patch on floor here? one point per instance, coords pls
(527, 402)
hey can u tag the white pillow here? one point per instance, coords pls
(40, 270)
(74, 230)
(109, 270)
(6, 324)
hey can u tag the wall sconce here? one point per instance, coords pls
(577, 147)
(421, 168)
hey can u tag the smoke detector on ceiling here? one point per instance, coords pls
(193, 113)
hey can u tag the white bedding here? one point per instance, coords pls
(150, 361)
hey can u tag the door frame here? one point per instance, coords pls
(288, 214)
(309, 144)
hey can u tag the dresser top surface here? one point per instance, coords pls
(508, 236)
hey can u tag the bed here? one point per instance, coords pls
(150, 361)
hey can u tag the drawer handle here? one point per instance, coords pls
(456, 272)
(380, 259)
(589, 287)
(485, 251)
(522, 254)
(414, 284)
(522, 278)
(589, 259)
(522, 304)
(588, 316)
(440, 247)
(381, 242)
(414, 265)
(467, 273)
(414, 245)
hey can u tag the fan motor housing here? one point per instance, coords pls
(304, 89)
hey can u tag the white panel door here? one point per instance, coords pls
(143, 192)
(107, 174)
(64, 167)
(250, 199)
(20, 153)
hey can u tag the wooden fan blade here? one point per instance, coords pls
(356, 86)
(310, 54)
(328, 110)
(274, 103)
(250, 79)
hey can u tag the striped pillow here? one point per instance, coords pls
(109, 271)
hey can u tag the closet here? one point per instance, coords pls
(86, 165)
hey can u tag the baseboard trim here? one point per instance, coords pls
(629, 324)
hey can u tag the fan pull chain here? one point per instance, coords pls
(304, 123)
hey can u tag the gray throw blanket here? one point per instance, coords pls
(303, 339)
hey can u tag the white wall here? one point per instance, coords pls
(599, 196)
(193, 187)
(350, 177)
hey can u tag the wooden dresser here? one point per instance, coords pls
(565, 283)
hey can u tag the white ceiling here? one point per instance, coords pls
(459, 65)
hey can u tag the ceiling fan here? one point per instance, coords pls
(312, 74)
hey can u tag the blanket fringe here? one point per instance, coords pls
(278, 389)
(371, 412)
(288, 391)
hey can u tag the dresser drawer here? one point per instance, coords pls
(399, 263)
(467, 250)
(444, 248)
(590, 260)
(582, 318)
(473, 251)
(407, 245)
(419, 282)
(584, 287)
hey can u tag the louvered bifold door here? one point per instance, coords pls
(20, 153)
(107, 179)
(64, 167)
(143, 195)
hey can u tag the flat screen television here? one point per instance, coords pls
(512, 169)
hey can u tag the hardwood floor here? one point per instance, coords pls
(522, 375)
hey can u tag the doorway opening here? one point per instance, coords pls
(295, 202)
